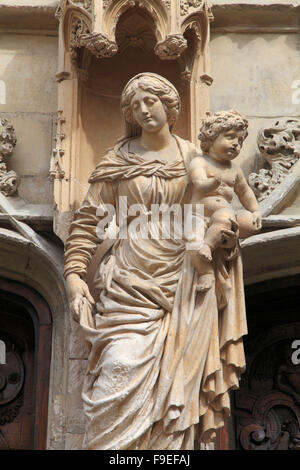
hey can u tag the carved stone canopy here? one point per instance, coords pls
(102, 44)
(91, 24)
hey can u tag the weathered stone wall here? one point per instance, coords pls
(28, 63)
(255, 58)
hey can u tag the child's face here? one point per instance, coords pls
(227, 145)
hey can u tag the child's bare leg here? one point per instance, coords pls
(246, 224)
(202, 261)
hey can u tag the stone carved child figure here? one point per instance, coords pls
(215, 179)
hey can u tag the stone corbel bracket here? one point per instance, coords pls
(279, 144)
(9, 180)
(171, 48)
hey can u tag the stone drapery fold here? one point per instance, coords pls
(163, 356)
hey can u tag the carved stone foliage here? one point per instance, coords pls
(9, 180)
(99, 45)
(187, 5)
(11, 384)
(171, 48)
(167, 3)
(79, 29)
(280, 146)
(267, 406)
(56, 166)
(84, 4)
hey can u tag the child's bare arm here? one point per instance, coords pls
(247, 197)
(199, 176)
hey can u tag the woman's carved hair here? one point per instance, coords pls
(222, 121)
(156, 85)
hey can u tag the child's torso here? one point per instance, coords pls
(222, 196)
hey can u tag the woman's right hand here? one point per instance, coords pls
(78, 293)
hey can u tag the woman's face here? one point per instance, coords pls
(148, 111)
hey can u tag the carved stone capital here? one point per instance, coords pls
(99, 44)
(171, 48)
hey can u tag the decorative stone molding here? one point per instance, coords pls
(171, 48)
(187, 5)
(207, 79)
(280, 146)
(85, 4)
(79, 30)
(167, 3)
(9, 180)
(56, 167)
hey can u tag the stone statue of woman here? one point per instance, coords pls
(163, 356)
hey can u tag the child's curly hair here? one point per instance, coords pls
(212, 126)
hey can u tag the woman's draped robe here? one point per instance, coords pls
(163, 355)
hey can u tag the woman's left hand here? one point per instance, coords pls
(229, 238)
